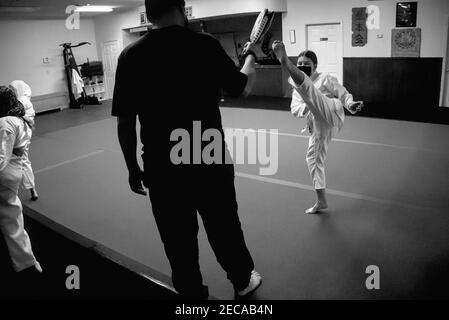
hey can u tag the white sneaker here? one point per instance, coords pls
(254, 282)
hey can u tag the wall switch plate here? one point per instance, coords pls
(292, 36)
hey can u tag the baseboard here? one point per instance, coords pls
(52, 101)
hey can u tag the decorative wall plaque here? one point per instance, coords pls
(406, 42)
(359, 28)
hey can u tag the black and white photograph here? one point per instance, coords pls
(218, 158)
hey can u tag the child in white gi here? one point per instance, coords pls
(15, 134)
(321, 99)
(23, 92)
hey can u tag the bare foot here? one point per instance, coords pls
(317, 207)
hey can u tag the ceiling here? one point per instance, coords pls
(56, 9)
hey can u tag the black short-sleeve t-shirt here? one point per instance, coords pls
(170, 78)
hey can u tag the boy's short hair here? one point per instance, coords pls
(157, 8)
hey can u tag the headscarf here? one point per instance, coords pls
(23, 92)
(22, 89)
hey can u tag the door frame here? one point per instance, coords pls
(444, 90)
(341, 38)
(102, 56)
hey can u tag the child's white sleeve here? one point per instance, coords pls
(339, 91)
(297, 105)
(7, 138)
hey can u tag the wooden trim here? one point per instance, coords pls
(52, 101)
(392, 87)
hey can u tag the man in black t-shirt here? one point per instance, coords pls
(171, 79)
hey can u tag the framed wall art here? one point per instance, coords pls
(406, 14)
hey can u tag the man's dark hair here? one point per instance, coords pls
(309, 54)
(157, 8)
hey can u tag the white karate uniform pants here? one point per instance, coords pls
(327, 118)
(12, 227)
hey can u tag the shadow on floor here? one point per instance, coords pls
(99, 278)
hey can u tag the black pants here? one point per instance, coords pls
(176, 197)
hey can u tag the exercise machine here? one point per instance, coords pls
(71, 66)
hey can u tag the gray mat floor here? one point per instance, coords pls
(387, 185)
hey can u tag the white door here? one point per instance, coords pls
(111, 52)
(446, 73)
(326, 40)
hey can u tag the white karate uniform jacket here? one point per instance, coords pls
(24, 95)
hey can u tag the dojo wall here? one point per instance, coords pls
(432, 16)
(395, 88)
(212, 8)
(110, 27)
(24, 43)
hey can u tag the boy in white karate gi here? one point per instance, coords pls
(321, 99)
(23, 92)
